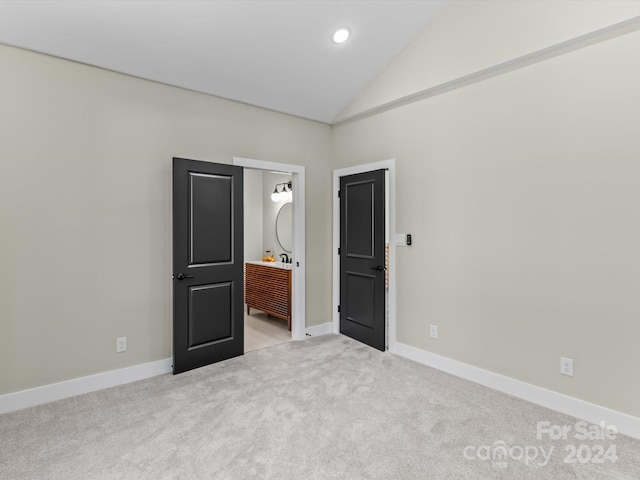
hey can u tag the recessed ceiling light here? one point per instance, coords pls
(341, 35)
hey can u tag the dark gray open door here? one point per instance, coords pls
(208, 317)
(362, 257)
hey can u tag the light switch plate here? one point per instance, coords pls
(401, 240)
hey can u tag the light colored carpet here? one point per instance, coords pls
(262, 330)
(324, 408)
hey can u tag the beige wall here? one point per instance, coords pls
(522, 194)
(85, 209)
(253, 214)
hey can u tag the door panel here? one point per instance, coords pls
(208, 318)
(360, 212)
(210, 197)
(362, 257)
(210, 314)
(361, 293)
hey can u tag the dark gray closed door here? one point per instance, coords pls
(362, 257)
(208, 295)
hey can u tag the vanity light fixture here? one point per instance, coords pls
(341, 35)
(284, 194)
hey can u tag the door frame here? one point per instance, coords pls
(298, 281)
(390, 166)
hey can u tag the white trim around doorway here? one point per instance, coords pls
(390, 166)
(298, 305)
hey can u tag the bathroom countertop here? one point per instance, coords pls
(283, 266)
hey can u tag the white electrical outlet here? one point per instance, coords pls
(121, 344)
(434, 331)
(566, 366)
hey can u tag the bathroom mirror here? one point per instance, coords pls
(283, 227)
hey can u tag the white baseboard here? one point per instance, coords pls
(626, 424)
(77, 386)
(322, 329)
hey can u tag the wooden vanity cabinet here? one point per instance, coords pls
(268, 289)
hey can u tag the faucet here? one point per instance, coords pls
(284, 257)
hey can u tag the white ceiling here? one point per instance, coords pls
(274, 54)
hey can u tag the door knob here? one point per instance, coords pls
(182, 276)
(378, 268)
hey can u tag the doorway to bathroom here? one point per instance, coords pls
(208, 259)
(274, 253)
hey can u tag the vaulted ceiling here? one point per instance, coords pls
(276, 54)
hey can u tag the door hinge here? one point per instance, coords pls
(338, 193)
(338, 308)
(338, 250)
